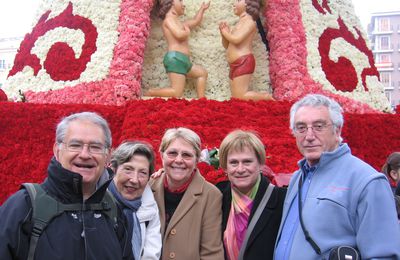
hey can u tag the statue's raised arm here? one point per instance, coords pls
(196, 20)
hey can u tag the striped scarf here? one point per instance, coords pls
(238, 220)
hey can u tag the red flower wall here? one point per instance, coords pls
(27, 132)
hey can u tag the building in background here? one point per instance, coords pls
(8, 49)
(384, 35)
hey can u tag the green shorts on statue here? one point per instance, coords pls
(177, 62)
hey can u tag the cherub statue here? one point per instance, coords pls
(177, 60)
(238, 43)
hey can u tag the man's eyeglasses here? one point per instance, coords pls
(184, 155)
(77, 147)
(302, 129)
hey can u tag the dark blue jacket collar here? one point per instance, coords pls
(67, 185)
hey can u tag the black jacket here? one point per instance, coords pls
(77, 235)
(262, 240)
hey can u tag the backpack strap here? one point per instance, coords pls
(45, 208)
(109, 207)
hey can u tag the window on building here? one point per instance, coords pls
(382, 58)
(389, 96)
(383, 25)
(384, 43)
(385, 78)
(2, 64)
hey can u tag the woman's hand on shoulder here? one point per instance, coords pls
(157, 174)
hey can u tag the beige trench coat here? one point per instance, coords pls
(194, 231)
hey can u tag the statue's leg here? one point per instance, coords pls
(200, 74)
(262, 95)
(240, 86)
(175, 90)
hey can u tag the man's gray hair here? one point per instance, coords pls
(128, 149)
(316, 100)
(84, 116)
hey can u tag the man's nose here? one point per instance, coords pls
(310, 133)
(85, 151)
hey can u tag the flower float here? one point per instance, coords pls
(106, 53)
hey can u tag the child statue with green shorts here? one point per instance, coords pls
(177, 60)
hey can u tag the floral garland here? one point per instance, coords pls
(27, 132)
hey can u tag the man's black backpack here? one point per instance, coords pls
(45, 208)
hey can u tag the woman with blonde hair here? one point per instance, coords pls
(251, 205)
(190, 207)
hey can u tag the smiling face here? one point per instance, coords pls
(179, 161)
(131, 177)
(243, 169)
(312, 144)
(89, 165)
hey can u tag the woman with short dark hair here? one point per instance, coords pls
(391, 169)
(133, 163)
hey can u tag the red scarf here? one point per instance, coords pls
(181, 188)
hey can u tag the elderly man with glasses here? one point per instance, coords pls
(334, 199)
(77, 180)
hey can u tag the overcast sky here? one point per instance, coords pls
(19, 14)
(16, 16)
(364, 8)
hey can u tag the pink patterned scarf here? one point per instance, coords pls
(238, 220)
